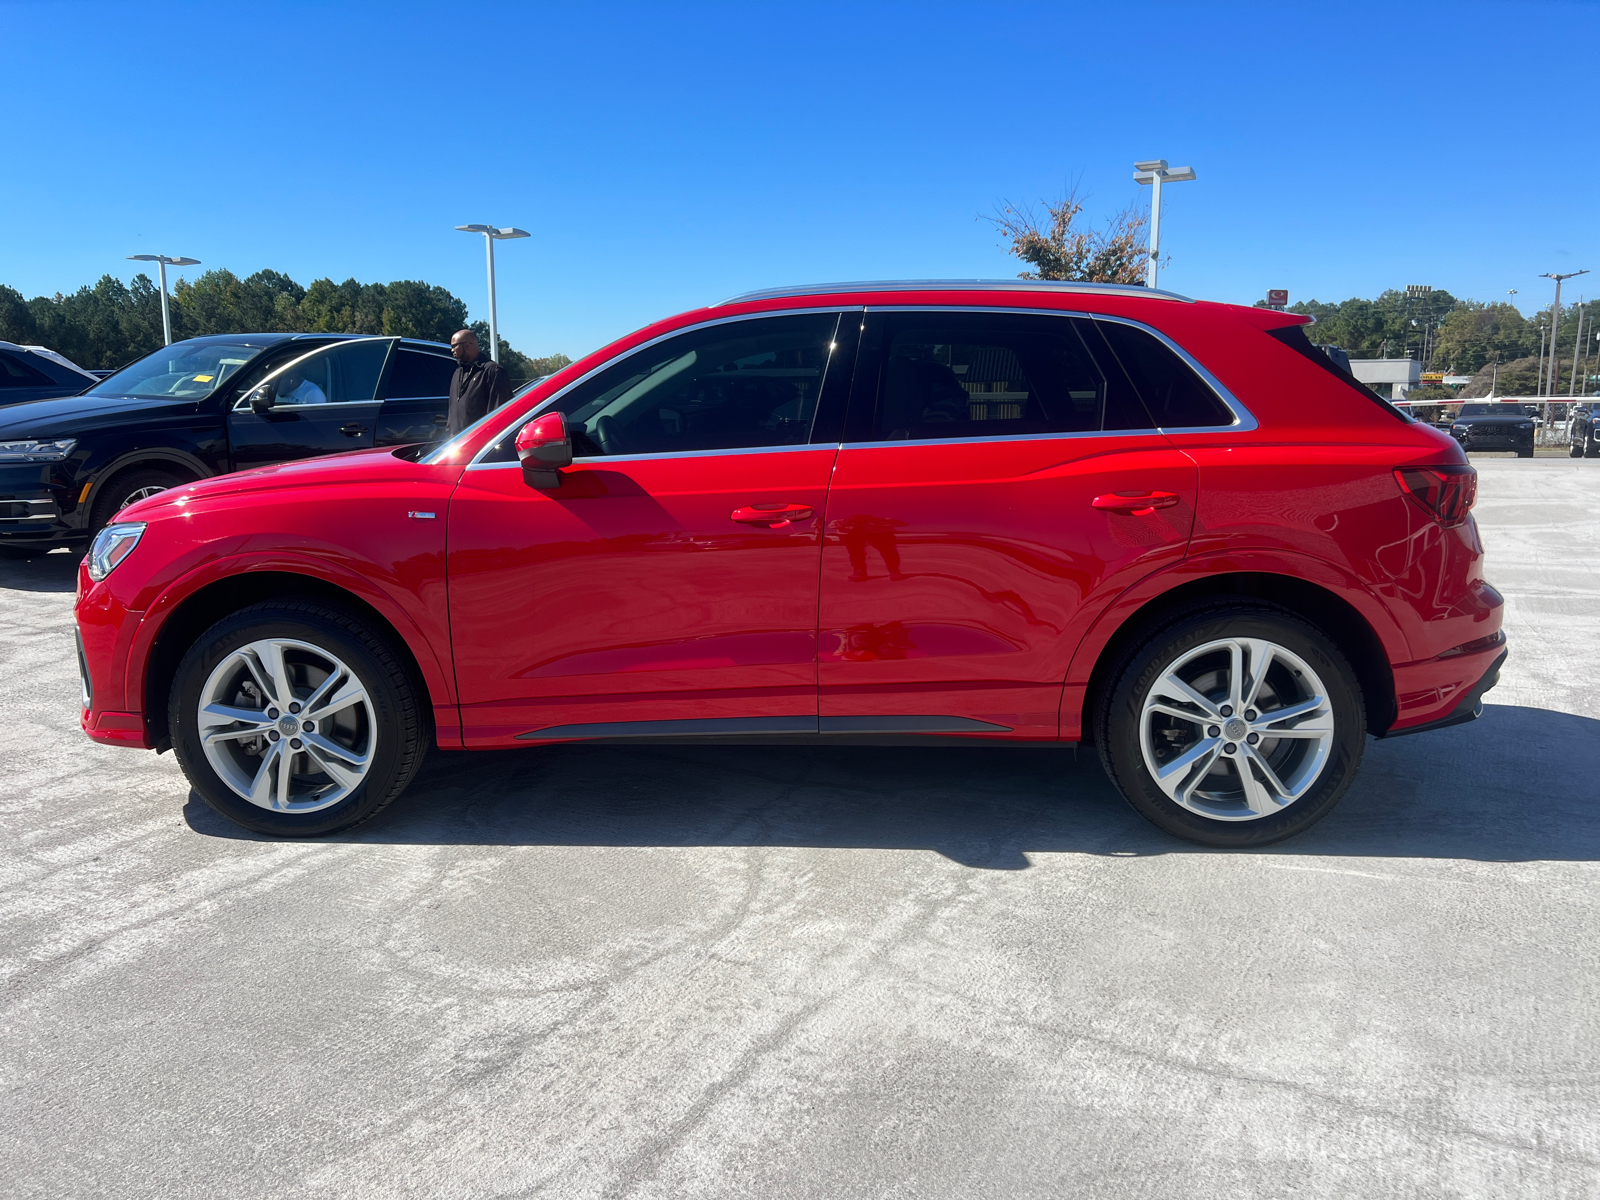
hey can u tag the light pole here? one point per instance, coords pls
(1577, 347)
(162, 263)
(491, 235)
(1555, 326)
(1155, 173)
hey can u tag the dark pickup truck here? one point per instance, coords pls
(1492, 426)
(203, 407)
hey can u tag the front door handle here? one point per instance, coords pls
(773, 516)
(352, 429)
(1135, 504)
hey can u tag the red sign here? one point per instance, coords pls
(1277, 297)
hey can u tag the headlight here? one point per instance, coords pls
(111, 545)
(49, 450)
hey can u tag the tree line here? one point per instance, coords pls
(112, 323)
(1447, 334)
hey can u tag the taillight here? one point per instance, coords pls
(1446, 490)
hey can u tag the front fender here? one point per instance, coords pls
(417, 632)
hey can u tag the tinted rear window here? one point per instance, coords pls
(1176, 397)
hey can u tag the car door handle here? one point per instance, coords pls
(1135, 504)
(352, 429)
(773, 516)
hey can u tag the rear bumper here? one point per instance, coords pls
(1469, 706)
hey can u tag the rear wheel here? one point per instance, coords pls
(1525, 453)
(1234, 727)
(292, 719)
(1575, 449)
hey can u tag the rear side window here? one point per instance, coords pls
(415, 374)
(1175, 396)
(999, 374)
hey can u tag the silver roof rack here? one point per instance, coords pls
(959, 285)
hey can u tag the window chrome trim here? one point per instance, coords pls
(1244, 420)
(1008, 437)
(623, 357)
(617, 458)
(958, 285)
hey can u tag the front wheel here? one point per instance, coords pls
(292, 719)
(1235, 727)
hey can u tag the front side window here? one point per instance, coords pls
(343, 374)
(186, 370)
(741, 385)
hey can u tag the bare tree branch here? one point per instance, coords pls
(1114, 254)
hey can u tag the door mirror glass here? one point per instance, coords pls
(261, 397)
(544, 446)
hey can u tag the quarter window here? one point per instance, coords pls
(14, 373)
(1174, 395)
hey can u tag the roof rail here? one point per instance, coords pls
(959, 285)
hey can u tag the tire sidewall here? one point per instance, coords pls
(227, 636)
(1126, 756)
(112, 501)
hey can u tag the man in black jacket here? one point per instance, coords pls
(478, 384)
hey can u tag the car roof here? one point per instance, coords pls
(957, 285)
(273, 339)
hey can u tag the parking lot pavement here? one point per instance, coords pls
(721, 972)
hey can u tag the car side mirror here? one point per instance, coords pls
(544, 446)
(262, 396)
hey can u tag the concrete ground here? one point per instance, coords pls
(811, 972)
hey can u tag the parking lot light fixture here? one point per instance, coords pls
(491, 235)
(162, 263)
(1155, 172)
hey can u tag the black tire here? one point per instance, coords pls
(124, 489)
(1524, 453)
(1118, 722)
(1575, 450)
(400, 725)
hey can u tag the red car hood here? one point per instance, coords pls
(354, 467)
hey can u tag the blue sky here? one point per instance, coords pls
(668, 156)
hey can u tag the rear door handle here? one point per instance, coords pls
(773, 516)
(352, 429)
(1135, 504)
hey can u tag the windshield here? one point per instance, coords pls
(1489, 410)
(187, 370)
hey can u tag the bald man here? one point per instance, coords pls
(478, 384)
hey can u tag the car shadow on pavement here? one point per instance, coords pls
(1517, 785)
(52, 571)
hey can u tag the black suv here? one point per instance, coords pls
(204, 407)
(1494, 426)
(1583, 430)
(34, 373)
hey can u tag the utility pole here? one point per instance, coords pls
(1577, 343)
(1555, 325)
(1154, 172)
(1539, 387)
(491, 235)
(162, 263)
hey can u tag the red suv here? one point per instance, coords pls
(1000, 513)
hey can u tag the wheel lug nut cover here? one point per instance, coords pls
(272, 714)
(1253, 738)
(294, 743)
(308, 727)
(272, 734)
(294, 708)
(1230, 748)
(1250, 714)
(1214, 731)
(1227, 710)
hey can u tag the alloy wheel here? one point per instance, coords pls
(138, 494)
(1236, 729)
(287, 726)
